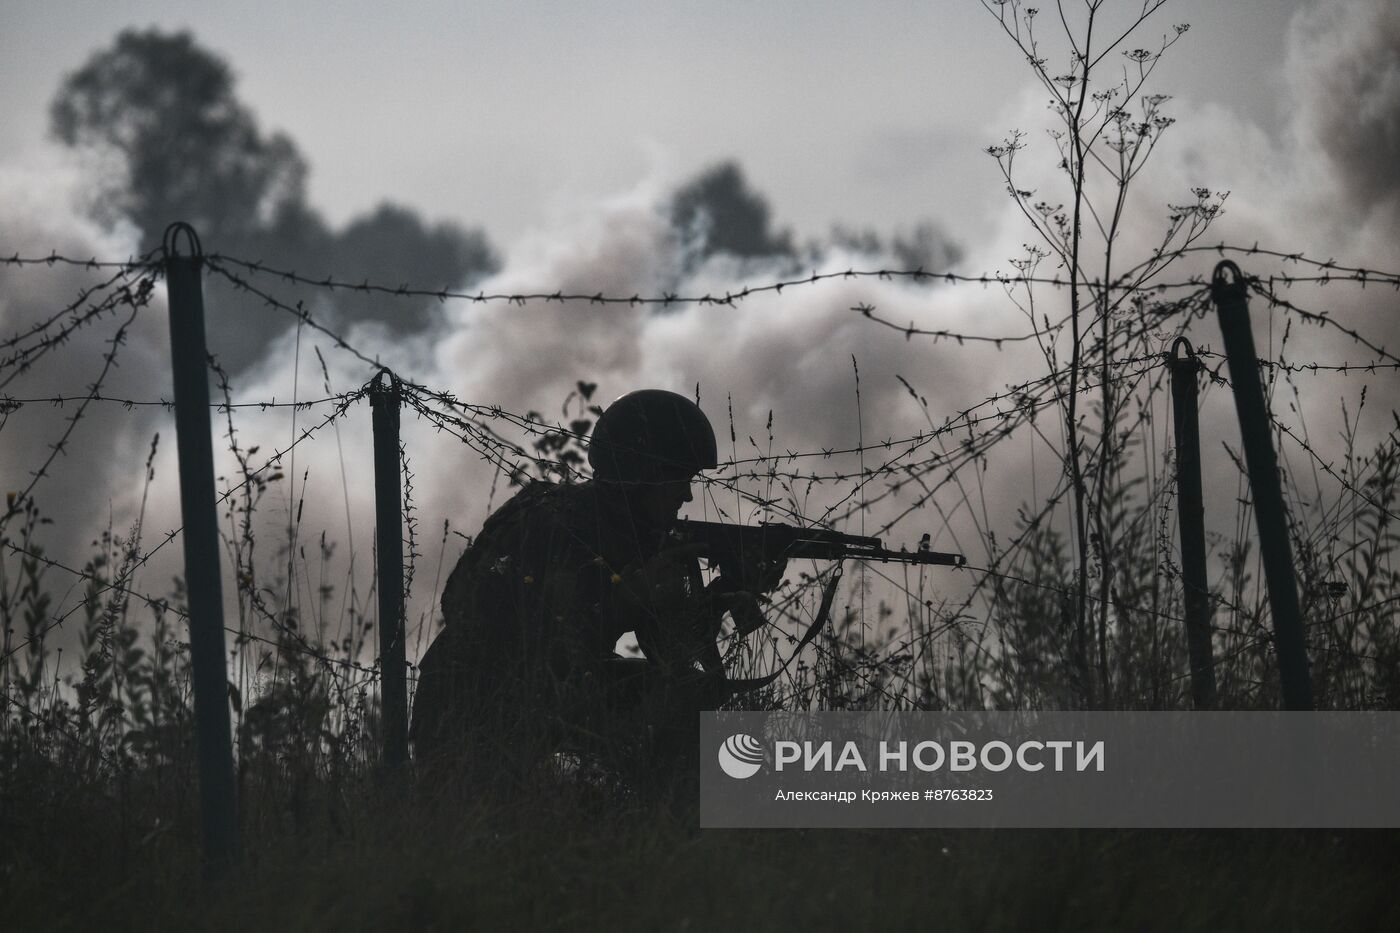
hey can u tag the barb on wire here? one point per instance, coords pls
(1321, 319)
(25, 355)
(1311, 366)
(1302, 442)
(84, 295)
(131, 264)
(137, 300)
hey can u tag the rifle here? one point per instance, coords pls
(747, 555)
(737, 547)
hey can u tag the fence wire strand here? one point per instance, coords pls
(903, 462)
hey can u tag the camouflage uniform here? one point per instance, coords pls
(532, 612)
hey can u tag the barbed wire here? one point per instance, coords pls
(493, 412)
(163, 605)
(16, 503)
(889, 468)
(131, 264)
(1031, 526)
(11, 403)
(476, 431)
(300, 312)
(21, 360)
(868, 311)
(491, 446)
(46, 323)
(975, 448)
(1256, 637)
(730, 298)
(1309, 366)
(1321, 319)
(1330, 265)
(1331, 271)
(537, 426)
(1284, 429)
(960, 420)
(144, 559)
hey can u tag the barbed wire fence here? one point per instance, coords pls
(772, 484)
(474, 429)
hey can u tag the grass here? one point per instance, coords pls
(416, 858)
(98, 795)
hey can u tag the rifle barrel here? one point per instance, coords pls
(877, 552)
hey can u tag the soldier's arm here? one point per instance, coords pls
(664, 602)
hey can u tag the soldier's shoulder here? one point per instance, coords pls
(542, 510)
(542, 500)
(511, 533)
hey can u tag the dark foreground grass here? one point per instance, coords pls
(425, 857)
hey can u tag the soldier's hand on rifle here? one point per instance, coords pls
(662, 600)
(752, 573)
(744, 609)
(662, 587)
(740, 584)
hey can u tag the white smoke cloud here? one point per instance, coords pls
(95, 481)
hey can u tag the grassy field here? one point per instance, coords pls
(408, 856)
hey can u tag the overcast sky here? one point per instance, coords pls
(871, 113)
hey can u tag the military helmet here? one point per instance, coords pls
(651, 435)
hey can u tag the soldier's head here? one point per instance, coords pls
(651, 443)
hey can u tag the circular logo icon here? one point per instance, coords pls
(741, 756)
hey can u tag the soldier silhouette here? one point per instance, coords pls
(557, 575)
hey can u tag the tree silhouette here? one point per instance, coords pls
(188, 148)
(727, 216)
(393, 244)
(162, 114)
(720, 212)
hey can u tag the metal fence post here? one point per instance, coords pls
(189, 364)
(384, 398)
(1228, 293)
(1191, 522)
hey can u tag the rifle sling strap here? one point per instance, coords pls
(733, 688)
